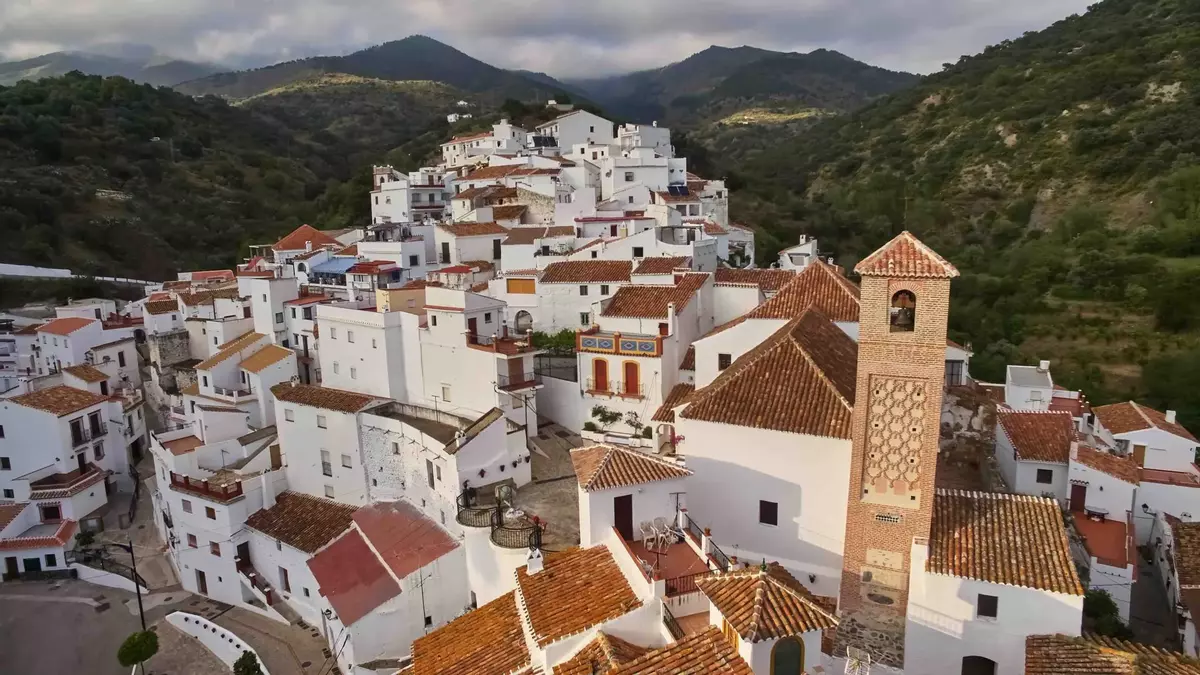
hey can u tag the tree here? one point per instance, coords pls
(138, 648)
(606, 417)
(247, 664)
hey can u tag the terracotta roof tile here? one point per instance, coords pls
(1121, 418)
(405, 539)
(302, 521)
(473, 229)
(65, 325)
(577, 588)
(485, 641)
(159, 307)
(487, 192)
(679, 394)
(350, 251)
(689, 359)
(668, 198)
(522, 236)
(265, 357)
(1038, 436)
(64, 533)
(61, 400)
(352, 578)
(231, 349)
(1097, 655)
(469, 137)
(1117, 466)
(661, 265)
(587, 272)
(906, 256)
(765, 604)
(800, 380)
(31, 329)
(818, 285)
(208, 296)
(9, 513)
(601, 467)
(767, 280)
(650, 301)
(322, 397)
(299, 238)
(87, 373)
(507, 171)
(182, 446)
(509, 211)
(714, 229)
(600, 656)
(706, 652)
(1187, 553)
(1002, 539)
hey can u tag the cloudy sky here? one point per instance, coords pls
(565, 38)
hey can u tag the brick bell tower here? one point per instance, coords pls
(904, 300)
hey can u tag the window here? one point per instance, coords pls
(987, 606)
(306, 594)
(346, 462)
(487, 317)
(204, 380)
(5, 464)
(638, 252)
(496, 249)
(353, 373)
(1045, 476)
(445, 392)
(395, 448)
(768, 512)
(787, 656)
(583, 290)
(187, 506)
(903, 313)
(278, 317)
(349, 336)
(628, 176)
(329, 492)
(335, 368)
(98, 451)
(51, 512)
(428, 621)
(295, 338)
(603, 289)
(429, 473)
(723, 361)
(121, 359)
(9, 494)
(437, 470)
(289, 414)
(191, 540)
(594, 254)
(373, 344)
(585, 318)
(321, 422)
(210, 513)
(630, 199)
(214, 548)
(592, 130)
(1, 431)
(414, 261)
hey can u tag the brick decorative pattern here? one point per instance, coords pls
(895, 440)
(1187, 552)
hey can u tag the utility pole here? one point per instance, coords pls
(137, 587)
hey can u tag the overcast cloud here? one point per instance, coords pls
(565, 38)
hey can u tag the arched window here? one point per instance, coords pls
(299, 267)
(903, 312)
(787, 657)
(978, 665)
(524, 321)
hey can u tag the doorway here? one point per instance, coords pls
(81, 461)
(623, 516)
(978, 665)
(472, 332)
(11, 569)
(243, 553)
(632, 385)
(599, 375)
(33, 565)
(1078, 497)
(201, 582)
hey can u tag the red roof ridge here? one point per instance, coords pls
(906, 256)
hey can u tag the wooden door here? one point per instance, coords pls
(1078, 497)
(11, 569)
(600, 375)
(201, 582)
(623, 516)
(516, 371)
(612, 230)
(1139, 455)
(471, 328)
(631, 378)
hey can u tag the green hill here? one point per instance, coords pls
(1057, 170)
(148, 68)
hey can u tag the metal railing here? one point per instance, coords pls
(604, 387)
(205, 489)
(671, 624)
(473, 516)
(693, 529)
(626, 389)
(684, 584)
(100, 560)
(84, 435)
(718, 555)
(514, 536)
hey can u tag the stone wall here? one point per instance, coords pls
(168, 349)
(541, 207)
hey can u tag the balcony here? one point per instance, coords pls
(256, 581)
(598, 342)
(501, 344)
(83, 435)
(615, 388)
(65, 484)
(232, 393)
(520, 382)
(205, 489)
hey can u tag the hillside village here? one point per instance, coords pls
(543, 414)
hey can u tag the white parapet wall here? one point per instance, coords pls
(221, 642)
(102, 578)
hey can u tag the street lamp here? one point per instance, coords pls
(137, 587)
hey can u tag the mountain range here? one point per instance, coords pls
(150, 68)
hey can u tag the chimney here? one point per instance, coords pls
(308, 246)
(1043, 366)
(1074, 450)
(1170, 417)
(268, 490)
(534, 562)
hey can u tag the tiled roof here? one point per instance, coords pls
(162, 307)
(509, 211)
(1121, 418)
(488, 191)
(507, 171)
(906, 256)
(668, 198)
(1187, 553)
(9, 513)
(1038, 436)
(713, 228)
(371, 267)
(661, 265)
(322, 397)
(473, 229)
(767, 280)
(468, 137)
(313, 253)
(818, 285)
(679, 394)
(1002, 539)
(61, 400)
(300, 237)
(302, 521)
(587, 272)
(485, 641)
(208, 296)
(689, 359)
(521, 236)
(1098, 655)
(765, 604)
(351, 577)
(600, 656)
(577, 588)
(64, 533)
(86, 372)
(405, 539)
(705, 652)
(1121, 468)
(417, 284)
(601, 467)
(31, 329)
(230, 349)
(182, 446)
(650, 301)
(800, 380)
(265, 357)
(65, 325)
(351, 250)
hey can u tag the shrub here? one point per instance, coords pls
(138, 648)
(590, 426)
(247, 664)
